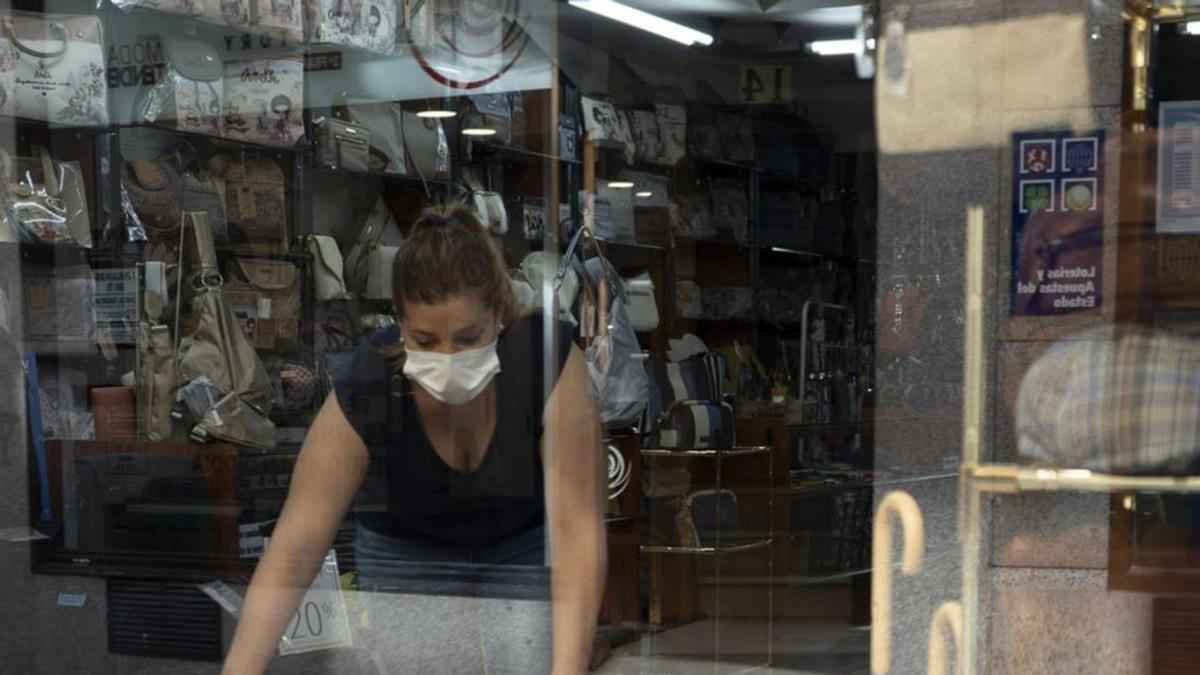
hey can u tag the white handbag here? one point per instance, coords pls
(52, 68)
(264, 100)
(279, 18)
(642, 306)
(328, 268)
(369, 262)
(530, 278)
(488, 205)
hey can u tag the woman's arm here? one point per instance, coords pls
(331, 466)
(575, 497)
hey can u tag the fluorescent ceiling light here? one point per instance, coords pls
(644, 195)
(838, 47)
(644, 20)
(437, 114)
(478, 132)
(1192, 28)
(620, 185)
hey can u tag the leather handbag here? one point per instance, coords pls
(369, 263)
(643, 306)
(329, 280)
(160, 191)
(216, 350)
(256, 198)
(45, 202)
(340, 143)
(265, 295)
(384, 123)
(264, 101)
(52, 68)
(427, 147)
(690, 425)
(190, 93)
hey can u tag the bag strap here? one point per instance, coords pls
(58, 30)
(208, 274)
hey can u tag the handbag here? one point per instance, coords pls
(707, 517)
(643, 306)
(157, 378)
(264, 101)
(369, 263)
(487, 205)
(283, 19)
(384, 123)
(52, 68)
(730, 211)
(427, 147)
(256, 198)
(225, 12)
(265, 296)
(160, 191)
(329, 279)
(490, 111)
(690, 425)
(191, 90)
(215, 349)
(341, 144)
(530, 278)
(614, 357)
(45, 202)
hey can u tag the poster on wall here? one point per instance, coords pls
(1057, 222)
(1178, 194)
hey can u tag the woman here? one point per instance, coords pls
(475, 448)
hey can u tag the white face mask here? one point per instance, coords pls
(454, 379)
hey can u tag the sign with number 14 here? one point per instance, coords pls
(767, 83)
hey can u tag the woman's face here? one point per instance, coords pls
(459, 323)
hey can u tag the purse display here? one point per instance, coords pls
(52, 68)
(264, 101)
(427, 147)
(329, 280)
(190, 93)
(44, 200)
(264, 296)
(256, 198)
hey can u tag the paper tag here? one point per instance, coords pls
(250, 540)
(264, 307)
(72, 599)
(247, 202)
(224, 596)
(320, 621)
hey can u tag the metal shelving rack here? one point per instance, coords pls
(719, 548)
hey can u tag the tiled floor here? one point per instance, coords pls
(800, 648)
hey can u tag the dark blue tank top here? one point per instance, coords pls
(410, 492)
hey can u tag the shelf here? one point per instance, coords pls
(515, 153)
(65, 347)
(737, 451)
(414, 179)
(631, 245)
(1013, 479)
(261, 148)
(709, 550)
(289, 256)
(727, 164)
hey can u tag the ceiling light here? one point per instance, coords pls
(478, 132)
(1192, 28)
(644, 195)
(644, 20)
(620, 185)
(839, 47)
(437, 114)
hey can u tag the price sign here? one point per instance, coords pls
(320, 621)
(766, 84)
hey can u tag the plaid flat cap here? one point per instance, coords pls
(1123, 400)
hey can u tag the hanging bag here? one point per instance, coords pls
(52, 68)
(190, 93)
(157, 377)
(45, 201)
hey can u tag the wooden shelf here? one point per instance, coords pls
(717, 453)
(740, 547)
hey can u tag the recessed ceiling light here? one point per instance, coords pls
(839, 47)
(645, 195)
(620, 185)
(478, 132)
(437, 114)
